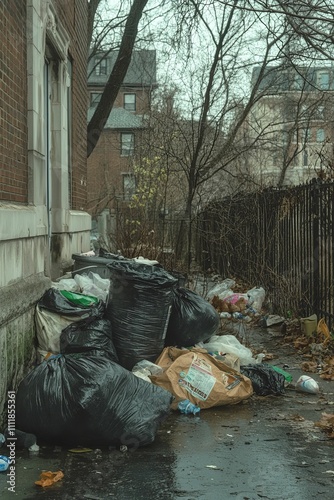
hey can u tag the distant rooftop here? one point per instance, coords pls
(121, 119)
(141, 71)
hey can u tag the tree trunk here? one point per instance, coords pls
(98, 120)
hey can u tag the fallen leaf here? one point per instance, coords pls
(297, 418)
(309, 366)
(326, 424)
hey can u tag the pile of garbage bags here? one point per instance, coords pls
(90, 400)
(115, 356)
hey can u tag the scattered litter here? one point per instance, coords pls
(34, 448)
(152, 368)
(256, 297)
(307, 384)
(213, 467)
(287, 376)
(80, 450)
(188, 408)
(265, 379)
(309, 325)
(327, 372)
(4, 463)
(144, 369)
(309, 366)
(49, 478)
(323, 331)
(201, 378)
(221, 288)
(326, 424)
(273, 319)
(92, 284)
(228, 344)
(297, 418)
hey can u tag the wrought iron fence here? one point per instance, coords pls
(281, 239)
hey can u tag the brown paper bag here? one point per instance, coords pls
(199, 377)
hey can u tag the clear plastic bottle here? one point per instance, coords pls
(187, 407)
(4, 463)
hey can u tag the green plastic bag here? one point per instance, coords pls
(80, 299)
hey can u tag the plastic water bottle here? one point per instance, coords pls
(187, 407)
(4, 463)
(238, 315)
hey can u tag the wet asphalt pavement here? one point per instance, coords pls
(266, 447)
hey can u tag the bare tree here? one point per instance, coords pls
(216, 45)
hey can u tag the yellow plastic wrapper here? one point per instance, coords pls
(323, 331)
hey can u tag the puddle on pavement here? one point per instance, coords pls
(251, 454)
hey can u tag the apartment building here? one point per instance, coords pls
(291, 125)
(110, 166)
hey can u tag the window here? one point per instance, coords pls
(129, 186)
(127, 144)
(295, 159)
(100, 66)
(130, 102)
(323, 80)
(298, 82)
(95, 99)
(320, 112)
(305, 157)
(320, 135)
(301, 136)
(305, 135)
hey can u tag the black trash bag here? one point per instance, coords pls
(193, 319)
(89, 335)
(139, 309)
(54, 301)
(84, 400)
(264, 378)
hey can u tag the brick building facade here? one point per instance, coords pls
(43, 165)
(110, 166)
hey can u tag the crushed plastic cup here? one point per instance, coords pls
(307, 384)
